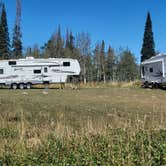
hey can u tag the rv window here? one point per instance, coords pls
(151, 70)
(45, 70)
(66, 63)
(12, 62)
(143, 70)
(37, 71)
(1, 71)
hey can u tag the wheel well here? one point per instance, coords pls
(14, 83)
(11, 86)
(46, 82)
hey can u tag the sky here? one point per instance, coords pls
(119, 22)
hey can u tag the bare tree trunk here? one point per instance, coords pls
(84, 73)
(104, 79)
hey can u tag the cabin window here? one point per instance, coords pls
(151, 70)
(66, 63)
(12, 62)
(37, 71)
(1, 71)
(45, 70)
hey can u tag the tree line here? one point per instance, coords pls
(9, 49)
(98, 63)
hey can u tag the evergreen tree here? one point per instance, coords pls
(110, 64)
(17, 35)
(102, 61)
(28, 52)
(49, 49)
(59, 43)
(97, 62)
(70, 50)
(67, 43)
(127, 67)
(4, 35)
(148, 47)
(89, 68)
(54, 47)
(71, 41)
(36, 51)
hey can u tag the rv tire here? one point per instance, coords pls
(146, 85)
(21, 86)
(14, 86)
(28, 85)
(157, 86)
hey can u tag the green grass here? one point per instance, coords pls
(94, 126)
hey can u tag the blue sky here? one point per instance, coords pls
(119, 22)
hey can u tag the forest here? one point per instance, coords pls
(99, 62)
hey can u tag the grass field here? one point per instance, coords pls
(91, 126)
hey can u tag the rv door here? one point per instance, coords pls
(45, 75)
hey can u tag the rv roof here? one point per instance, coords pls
(156, 58)
(32, 59)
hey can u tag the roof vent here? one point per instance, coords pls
(29, 58)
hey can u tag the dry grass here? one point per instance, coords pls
(83, 109)
(132, 84)
(28, 118)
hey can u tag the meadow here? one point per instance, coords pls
(87, 126)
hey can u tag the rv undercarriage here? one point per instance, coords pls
(21, 86)
(152, 85)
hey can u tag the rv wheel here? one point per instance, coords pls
(146, 85)
(28, 85)
(157, 85)
(14, 86)
(21, 86)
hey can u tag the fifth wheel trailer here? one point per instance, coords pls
(22, 73)
(153, 71)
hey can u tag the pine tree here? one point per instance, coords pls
(59, 43)
(49, 49)
(148, 47)
(36, 51)
(127, 67)
(97, 62)
(70, 50)
(110, 64)
(17, 35)
(4, 35)
(67, 43)
(102, 61)
(89, 68)
(54, 47)
(71, 41)
(28, 52)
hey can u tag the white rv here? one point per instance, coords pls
(153, 71)
(23, 73)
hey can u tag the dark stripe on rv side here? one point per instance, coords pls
(60, 71)
(68, 72)
(35, 65)
(9, 77)
(156, 76)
